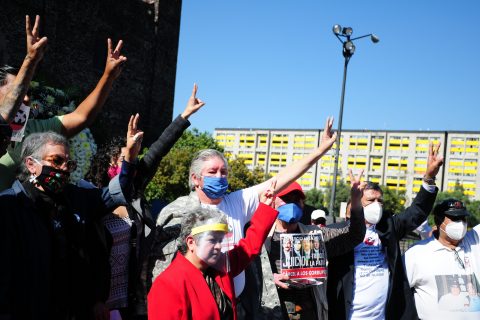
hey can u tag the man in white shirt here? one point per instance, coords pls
(444, 270)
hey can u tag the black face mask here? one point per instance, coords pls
(51, 179)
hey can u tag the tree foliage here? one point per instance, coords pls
(240, 177)
(393, 200)
(315, 198)
(342, 194)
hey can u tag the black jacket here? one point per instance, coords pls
(391, 229)
(44, 270)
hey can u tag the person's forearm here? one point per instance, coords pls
(149, 163)
(298, 168)
(13, 99)
(88, 110)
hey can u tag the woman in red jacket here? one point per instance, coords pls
(198, 284)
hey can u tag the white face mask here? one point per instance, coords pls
(373, 212)
(456, 230)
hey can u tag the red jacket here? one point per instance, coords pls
(181, 292)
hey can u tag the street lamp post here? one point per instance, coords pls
(348, 51)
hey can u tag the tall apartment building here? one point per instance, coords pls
(396, 159)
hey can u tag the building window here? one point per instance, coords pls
(377, 143)
(358, 142)
(376, 163)
(279, 140)
(262, 140)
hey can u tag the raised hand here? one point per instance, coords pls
(328, 136)
(434, 162)
(193, 104)
(355, 181)
(115, 60)
(36, 46)
(268, 197)
(356, 184)
(134, 138)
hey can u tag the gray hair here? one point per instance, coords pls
(198, 217)
(34, 146)
(198, 162)
(5, 70)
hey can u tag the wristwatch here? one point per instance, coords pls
(428, 180)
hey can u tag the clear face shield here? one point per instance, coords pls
(208, 240)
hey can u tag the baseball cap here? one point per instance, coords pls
(294, 186)
(318, 214)
(451, 207)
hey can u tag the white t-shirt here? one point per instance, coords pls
(370, 287)
(239, 206)
(432, 270)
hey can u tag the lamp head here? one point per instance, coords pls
(348, 49)
(337, 29)
(347, 31)
(374, 38)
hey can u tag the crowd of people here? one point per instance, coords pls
(93, 250)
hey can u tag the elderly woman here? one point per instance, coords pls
(198, 284)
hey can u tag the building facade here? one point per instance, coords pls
(396, 159)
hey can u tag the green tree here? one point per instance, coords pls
(315, 198)
(240, 177)
(342, 194)
(393, 200)
(171, 179)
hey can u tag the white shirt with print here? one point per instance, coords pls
(370, 287)
(431, 267)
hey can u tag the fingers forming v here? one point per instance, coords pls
(36, 26)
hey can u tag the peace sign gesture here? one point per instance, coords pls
(115, 60)
(356, 184)
(36, 46)
(328, 136)
(134, 139)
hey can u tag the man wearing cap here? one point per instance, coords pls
(369, 282)
(310, 302)
(294, 194)
(440, 268)
(318, 218)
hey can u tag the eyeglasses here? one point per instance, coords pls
(59, 161)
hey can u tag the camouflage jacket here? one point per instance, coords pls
(168, 229)
(337, 242)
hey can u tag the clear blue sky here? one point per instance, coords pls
(277, 64)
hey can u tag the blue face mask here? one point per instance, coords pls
(215, 187)
(290, 213)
